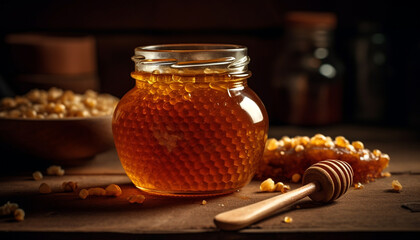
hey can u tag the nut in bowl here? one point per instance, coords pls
(56, 125)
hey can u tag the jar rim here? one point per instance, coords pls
(191, 47)
(214, 57)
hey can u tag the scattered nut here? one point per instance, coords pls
(204, 202)
(8, 208)
(136, 198)
(37, 175)
(19, 215)
(279, 187)
(358, 186)
(55, 170)
(268, 186)
(44, 188)
(97, 191)
(83, 194)
(287, 219)
(113, 190)
(285, 189)
(396, 186)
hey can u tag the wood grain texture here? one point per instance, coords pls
(324, 181)
(369, 213)
(63, 215)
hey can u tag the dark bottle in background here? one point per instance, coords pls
(307, 78)
(371, 72)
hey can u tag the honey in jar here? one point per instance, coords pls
(191, 126)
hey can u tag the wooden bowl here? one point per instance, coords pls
(61, 141)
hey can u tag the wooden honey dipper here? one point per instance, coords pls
(324, 182)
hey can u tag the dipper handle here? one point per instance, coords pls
(244, 216)
(324, 181)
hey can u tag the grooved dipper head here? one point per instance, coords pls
(332, 177)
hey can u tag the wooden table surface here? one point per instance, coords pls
(371, 212)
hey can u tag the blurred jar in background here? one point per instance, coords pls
(307, 80)
(370, 53)
(44, 61)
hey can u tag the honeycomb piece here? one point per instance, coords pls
(284, 162)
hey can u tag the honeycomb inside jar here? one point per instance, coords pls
(288, 157)
(190, 134)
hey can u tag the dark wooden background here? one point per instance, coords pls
(120, 26)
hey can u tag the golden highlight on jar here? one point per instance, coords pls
(191, 126)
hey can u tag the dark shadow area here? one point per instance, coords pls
(376, 43)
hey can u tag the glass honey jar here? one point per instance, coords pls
(191, 126)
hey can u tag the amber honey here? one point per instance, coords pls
(290, 156)
(197, 133)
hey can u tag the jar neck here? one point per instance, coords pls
(192, 59)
